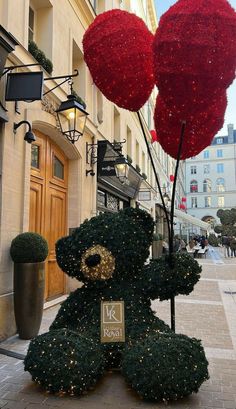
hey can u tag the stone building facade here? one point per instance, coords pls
(47, 186)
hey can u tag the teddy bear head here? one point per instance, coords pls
(108, 246)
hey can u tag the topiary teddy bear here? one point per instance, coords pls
(108, 254)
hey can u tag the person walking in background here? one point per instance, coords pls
(192, 243)
(202, 242)
(226, 245)
(165, 246)
(233, 246)
(176, 244)
(182, 246)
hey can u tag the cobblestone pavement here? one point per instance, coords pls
(209, 313)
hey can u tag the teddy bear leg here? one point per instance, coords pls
(63, 361)
(165, 368)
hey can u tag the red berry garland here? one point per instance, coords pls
(118, 52)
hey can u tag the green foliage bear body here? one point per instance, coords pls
(108, 254)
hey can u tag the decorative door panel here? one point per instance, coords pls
(36, 206)
(48, 204)
(55, 228)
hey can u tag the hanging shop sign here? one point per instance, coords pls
(112, 321)
(144, 195)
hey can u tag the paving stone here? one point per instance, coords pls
(16, 405)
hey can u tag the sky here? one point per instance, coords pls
(230, 115)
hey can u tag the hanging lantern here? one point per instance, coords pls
(172, 178)
(72, 118)
(194, 52)
(121, 166)
(118, 52)
(184, 199)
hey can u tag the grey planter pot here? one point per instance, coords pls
(29, 283)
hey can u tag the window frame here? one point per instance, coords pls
(220, 168)
(193, 202)
(207, 201)
(206, 169)
(207, 185)
(219, 153)
(193, 169)
(193, 182)
(31, 30)
(220, 205)
(219, 185)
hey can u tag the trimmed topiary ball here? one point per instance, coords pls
(29, 248)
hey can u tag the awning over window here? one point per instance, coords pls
(187, 218)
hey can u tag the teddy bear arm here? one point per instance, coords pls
(163, 282)
(154, 283)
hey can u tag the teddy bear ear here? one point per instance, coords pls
(64, 255)
(143, 218)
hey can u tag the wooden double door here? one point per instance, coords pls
(48, 204)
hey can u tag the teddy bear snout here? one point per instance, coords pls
(97, 263)
(93, 260)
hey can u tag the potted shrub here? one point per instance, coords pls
(28, 251)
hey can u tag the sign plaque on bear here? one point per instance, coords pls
(112, 321)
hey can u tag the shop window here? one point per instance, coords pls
(112, 203)
(40, 25)
(101, 198)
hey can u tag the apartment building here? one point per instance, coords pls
(211, 178)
